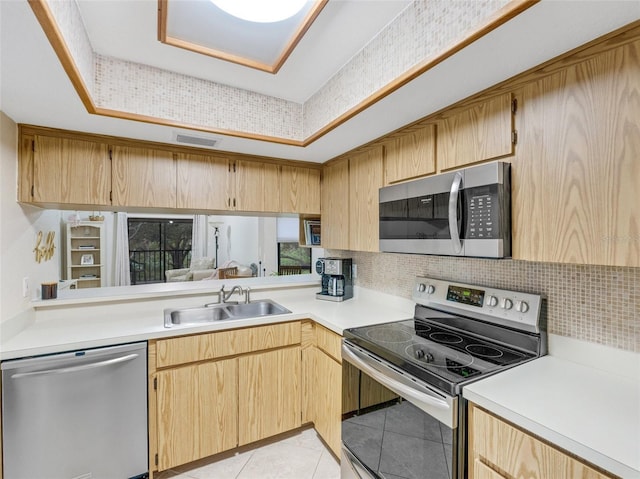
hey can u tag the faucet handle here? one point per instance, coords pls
(247, 290)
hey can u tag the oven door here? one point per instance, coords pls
(394, 425)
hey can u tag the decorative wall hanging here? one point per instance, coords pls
(44, 251)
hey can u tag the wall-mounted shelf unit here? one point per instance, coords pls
(85, 259)
(309, 231)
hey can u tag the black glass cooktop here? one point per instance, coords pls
(444, 357)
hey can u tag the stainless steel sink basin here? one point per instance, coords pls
(256, 308)
(194, 315)
(222, 312)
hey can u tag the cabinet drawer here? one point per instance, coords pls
(329, 342)
(202, 347)
(520, 455)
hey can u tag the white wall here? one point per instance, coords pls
(19, 227)
(238, 240)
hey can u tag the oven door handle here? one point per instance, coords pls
(454, 194)
(429, 401)
(355, 468)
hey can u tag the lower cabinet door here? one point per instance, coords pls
(482, 471)
(197, 412)
(328, 400)
(269, 390)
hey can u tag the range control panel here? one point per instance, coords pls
(509, 308)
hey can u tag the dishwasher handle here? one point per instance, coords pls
(74, 369)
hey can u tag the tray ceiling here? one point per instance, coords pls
(36, 89)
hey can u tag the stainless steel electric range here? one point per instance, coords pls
(408, 418)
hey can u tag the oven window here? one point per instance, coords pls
(397, 440)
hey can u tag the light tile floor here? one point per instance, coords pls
(299, 455)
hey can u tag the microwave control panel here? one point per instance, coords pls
(483, 210)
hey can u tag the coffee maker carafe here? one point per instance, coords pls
(337, 280)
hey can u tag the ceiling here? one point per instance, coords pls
(202, 27)
(34, 88)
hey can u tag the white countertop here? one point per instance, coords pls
(583, 406)
(71, 324)
(586, 409)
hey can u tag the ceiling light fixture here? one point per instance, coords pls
(261, 11)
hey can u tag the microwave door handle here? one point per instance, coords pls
(453, 212)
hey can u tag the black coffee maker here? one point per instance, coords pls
(337, 279)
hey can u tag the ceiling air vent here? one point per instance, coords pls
(196, 140)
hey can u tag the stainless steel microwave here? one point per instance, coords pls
(460, 213)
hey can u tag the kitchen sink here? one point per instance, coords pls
(256, 308)
(222, 312)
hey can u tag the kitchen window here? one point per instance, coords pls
(293, 259)
(158, 244)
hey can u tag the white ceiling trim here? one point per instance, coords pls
(148, 94)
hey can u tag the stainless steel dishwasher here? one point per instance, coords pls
(76, 415)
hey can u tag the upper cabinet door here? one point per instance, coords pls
(203, 182)
(411, 155)
(257, 186)
(478, 133)
(335, 205)
(576, 175)
(299, 190)
(70, 171)
(143, 177)
(365, 179)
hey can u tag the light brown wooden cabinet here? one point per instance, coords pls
(299, 190)
(197, 411)
(411, 154)
(322, 383)
(499, 450)
(203, 182)
(335, 205)
(269, 394)
(334, 386)
(211, 392)
(480, 132)
(143, 177)
(64, 171)
(328, 399)
(219, 183)
(365, 179)
(576, 173)
(257, 187)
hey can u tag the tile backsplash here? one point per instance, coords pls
(598, 304)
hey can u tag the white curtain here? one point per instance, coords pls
(122, 276)
(199, 237)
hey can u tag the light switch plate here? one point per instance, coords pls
(25, 287)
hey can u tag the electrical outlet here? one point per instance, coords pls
(25, 287)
